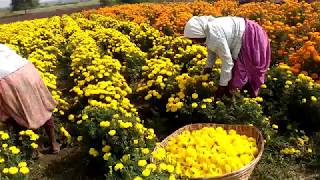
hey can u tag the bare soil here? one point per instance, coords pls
(65, 165)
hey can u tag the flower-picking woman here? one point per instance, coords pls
(241, 44)
(24, 98)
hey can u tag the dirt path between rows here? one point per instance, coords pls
(57, 12)
(67, 164)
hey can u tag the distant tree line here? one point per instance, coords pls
(18, 5)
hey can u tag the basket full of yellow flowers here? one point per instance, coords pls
(211, 151)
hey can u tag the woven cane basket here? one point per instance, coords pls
(250, 131)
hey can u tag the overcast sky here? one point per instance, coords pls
(5, 3)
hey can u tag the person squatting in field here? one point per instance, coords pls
(241, 44)
(25, 101)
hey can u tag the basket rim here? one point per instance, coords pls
(239, 171)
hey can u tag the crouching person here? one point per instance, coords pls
(24, 98)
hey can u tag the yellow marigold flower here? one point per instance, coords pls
(138, 178)
(218, 61)
(147, 97)
(22, 164)
(284, 66)
(14, 150)
(5, 170)
(218, 102)
(145, 150)
(61, 112)
(106, 156)
(194, 96)
(170, 168)
(85, 117)
(65, 132)
(145, 68)
(34, 145)
(116, 116)
(314, 99)
(106, 148)
(117, 96)
(34, 137)
(172, 177)
(204, 84)
(104, 124)
(288, 82)
(24, 170)
(208, 100)
(146, 172)
(125, 125)
(194, 105)
(112, 132)
(142, 163)
(259, 99)
(4, 145)
(263, 86)
(108, 99)
(274, 126)
(228, 168)
(163, 166)
(71, 117)
(13, 170)
(93, 152)
(118, 166)
(125, 157)
(1, 160)
(29, 132)
(203, 106)
(138, 119)
(79, 138)
(135, 141)
(5, 136)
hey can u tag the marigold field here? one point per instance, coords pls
(125, 78)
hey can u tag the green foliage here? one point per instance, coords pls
(24, 4)
(106, 2)
(276, 165)
(133, 69)
(291, 101)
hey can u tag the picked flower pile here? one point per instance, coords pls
(207, 152)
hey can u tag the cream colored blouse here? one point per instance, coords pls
(224, 40)
(10, 61)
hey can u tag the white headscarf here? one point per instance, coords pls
(196, 27)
